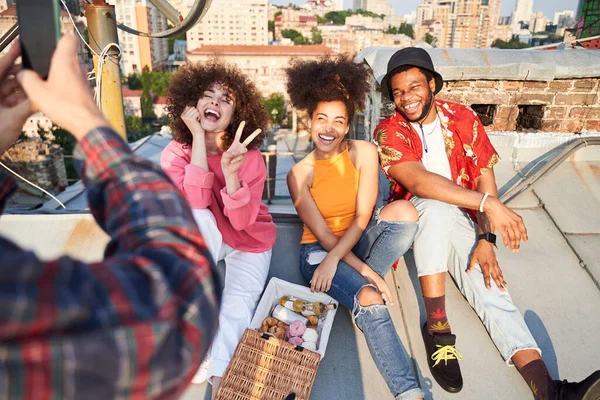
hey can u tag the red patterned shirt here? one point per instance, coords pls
(469, 150)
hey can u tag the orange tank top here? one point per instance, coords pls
(334, 189)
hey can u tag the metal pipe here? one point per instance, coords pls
(168, 11)
(555, 158)
(199, 9)
(9, 36)
(102, 30)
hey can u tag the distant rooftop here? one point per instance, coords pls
(317, 49)
(496, 64)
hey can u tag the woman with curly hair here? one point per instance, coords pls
(218, 120)
(347, 247)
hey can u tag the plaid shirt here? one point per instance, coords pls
(134, 326)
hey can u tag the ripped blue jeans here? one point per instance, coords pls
(381, 244)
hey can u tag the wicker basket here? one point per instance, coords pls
(264, 367)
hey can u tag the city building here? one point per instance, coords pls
(264, 65)
(365, 22)
(425, 11)
(34, 123)
(458, 23)
(138, 51)
(560, 18)
(588, 18)
(538, 22)
(230, 22)
(381, 7)
(4, 4)
(180, 49)
(353, 40)
(322, 7)
(296, 20)
(522, 13)
(494, 31)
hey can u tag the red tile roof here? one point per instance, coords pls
(307, 18)
(131, 93)
(301, 50)
(160, 100)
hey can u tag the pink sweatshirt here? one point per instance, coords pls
(242, 218)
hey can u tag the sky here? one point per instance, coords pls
(401, 7)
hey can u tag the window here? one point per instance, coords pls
(485, 112)
(530, 117)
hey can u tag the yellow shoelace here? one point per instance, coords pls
(445, 353)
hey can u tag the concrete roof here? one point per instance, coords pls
(559, 298)
(496, 64)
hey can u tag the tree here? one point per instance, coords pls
(136, 128)
(159, 80)
(275, 105)
(336, 17)
(316, 38)
(133, 82)
(147, 104)
(513, 43)
(391, 30)
(67, 141)
(429, 38)
(272, 29)
(407, 29)
(294, 36)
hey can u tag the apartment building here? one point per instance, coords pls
(230, 22)
(4, 4)
(139, 51)
(296, 20)
(381, 7)
(264, 65)
(458, 23)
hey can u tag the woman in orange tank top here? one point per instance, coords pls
(347, 246)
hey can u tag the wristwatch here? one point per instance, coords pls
(490, 237)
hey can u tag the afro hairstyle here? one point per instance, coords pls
(330, 78)
(189, 83)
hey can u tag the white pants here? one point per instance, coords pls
(245, 277)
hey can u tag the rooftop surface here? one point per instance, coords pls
(553, 279)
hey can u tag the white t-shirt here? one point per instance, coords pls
(432, 138)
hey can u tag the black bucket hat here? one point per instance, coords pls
(413, 56)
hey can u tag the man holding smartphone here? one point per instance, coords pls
(138, 323)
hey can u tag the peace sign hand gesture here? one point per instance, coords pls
(235, 156)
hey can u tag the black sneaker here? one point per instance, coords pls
(442, 359)
(587, 389)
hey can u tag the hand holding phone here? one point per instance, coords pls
(39, 32)
(65, 97)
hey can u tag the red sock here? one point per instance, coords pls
(538, 379)
(437, 322)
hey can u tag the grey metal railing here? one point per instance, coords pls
(533, 172)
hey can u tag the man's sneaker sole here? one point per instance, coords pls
(593, 392)
(437, 377)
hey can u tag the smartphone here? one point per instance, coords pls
(39, 32)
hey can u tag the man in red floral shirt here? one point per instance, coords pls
(438, 155)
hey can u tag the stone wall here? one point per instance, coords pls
(569, 105)
(39, 162)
